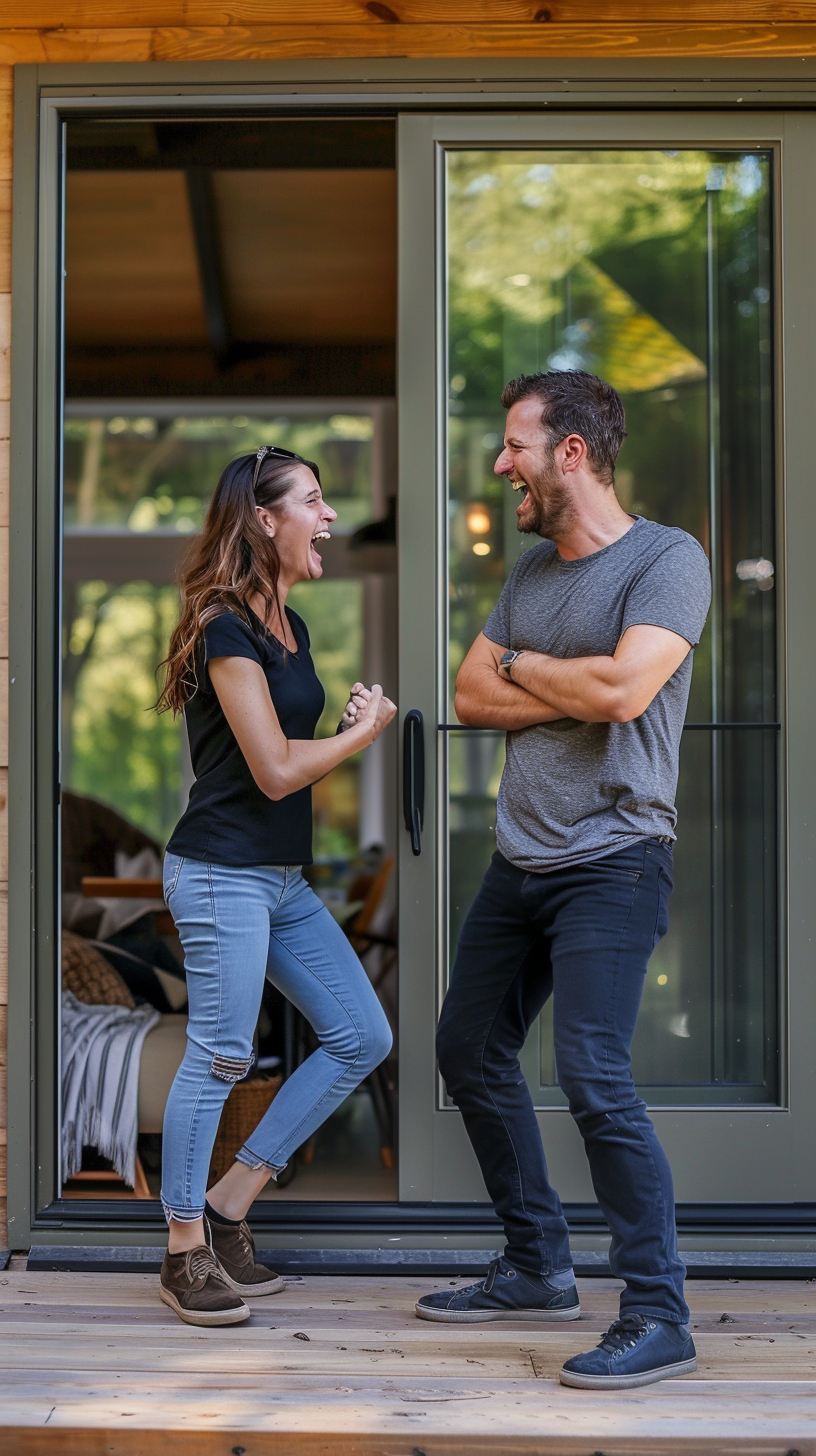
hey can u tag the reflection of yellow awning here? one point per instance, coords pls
(634, 352)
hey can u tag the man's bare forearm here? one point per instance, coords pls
(586, 688)
(484, 699)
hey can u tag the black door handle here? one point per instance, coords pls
(413, 776)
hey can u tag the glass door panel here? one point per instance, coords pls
(648, 247)
(652, 268)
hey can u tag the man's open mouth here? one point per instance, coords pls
(525, 501)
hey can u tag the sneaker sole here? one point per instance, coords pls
(480, 1316)
(204, 1316)
(625, 1382)
(253, 1291)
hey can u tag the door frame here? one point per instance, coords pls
(46, 96)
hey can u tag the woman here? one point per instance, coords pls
(239, 668)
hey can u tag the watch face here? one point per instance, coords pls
(508, 657)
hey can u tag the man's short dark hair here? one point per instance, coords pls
(576, 403)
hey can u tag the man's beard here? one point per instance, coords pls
(550, 509)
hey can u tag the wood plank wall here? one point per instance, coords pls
(169, 30)
(190, 30)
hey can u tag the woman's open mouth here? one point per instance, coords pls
(318, 536)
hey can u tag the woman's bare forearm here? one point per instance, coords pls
(280, 765)
(303, 761)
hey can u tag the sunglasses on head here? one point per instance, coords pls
(280, 454)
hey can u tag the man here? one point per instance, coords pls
(586, 663)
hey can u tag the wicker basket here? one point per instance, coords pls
(242, 1112)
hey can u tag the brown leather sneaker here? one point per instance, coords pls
(194, 1286)
(234, 1250)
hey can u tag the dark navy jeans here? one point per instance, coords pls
(584, 936)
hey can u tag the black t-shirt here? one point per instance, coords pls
(228, 820)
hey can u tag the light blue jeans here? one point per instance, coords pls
(238, 926)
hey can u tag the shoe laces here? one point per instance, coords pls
(498, 1266)
(241, 1231)
(246, 1240)
(201, 1266)
(624, 1333)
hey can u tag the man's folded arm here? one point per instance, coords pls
(486, 699)
(613, 689)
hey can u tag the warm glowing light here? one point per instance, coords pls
(481, 548)
(755, 570)
(662, 980)
(478, 520)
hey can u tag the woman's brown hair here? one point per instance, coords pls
(231, 560)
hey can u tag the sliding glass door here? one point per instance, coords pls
(648, 250)
(669, 251)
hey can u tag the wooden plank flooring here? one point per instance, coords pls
(94, 1363)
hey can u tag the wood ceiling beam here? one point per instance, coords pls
(293, 371)
(204, 218)
(235, 144)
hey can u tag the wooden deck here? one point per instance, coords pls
(93, 1365)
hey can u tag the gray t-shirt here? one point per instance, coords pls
(575, 791)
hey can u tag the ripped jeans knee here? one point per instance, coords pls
(231, 1069)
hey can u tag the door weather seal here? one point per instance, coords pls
(435, 1263)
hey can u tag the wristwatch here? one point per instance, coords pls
(508, 658)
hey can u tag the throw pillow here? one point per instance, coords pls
(89, 976)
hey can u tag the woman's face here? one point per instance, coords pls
(297, 525)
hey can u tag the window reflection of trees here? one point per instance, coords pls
(136, 487)
(654, 270)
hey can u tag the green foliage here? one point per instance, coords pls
(333, 613)
(123, 753)
(145, 473)
(600, 261)
(120, 751)
(148, 471)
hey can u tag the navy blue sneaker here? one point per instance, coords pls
(506, 1294)
(636, 1350)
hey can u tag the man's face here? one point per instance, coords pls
(527, 460)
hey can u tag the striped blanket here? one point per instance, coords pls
(101, 1052)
